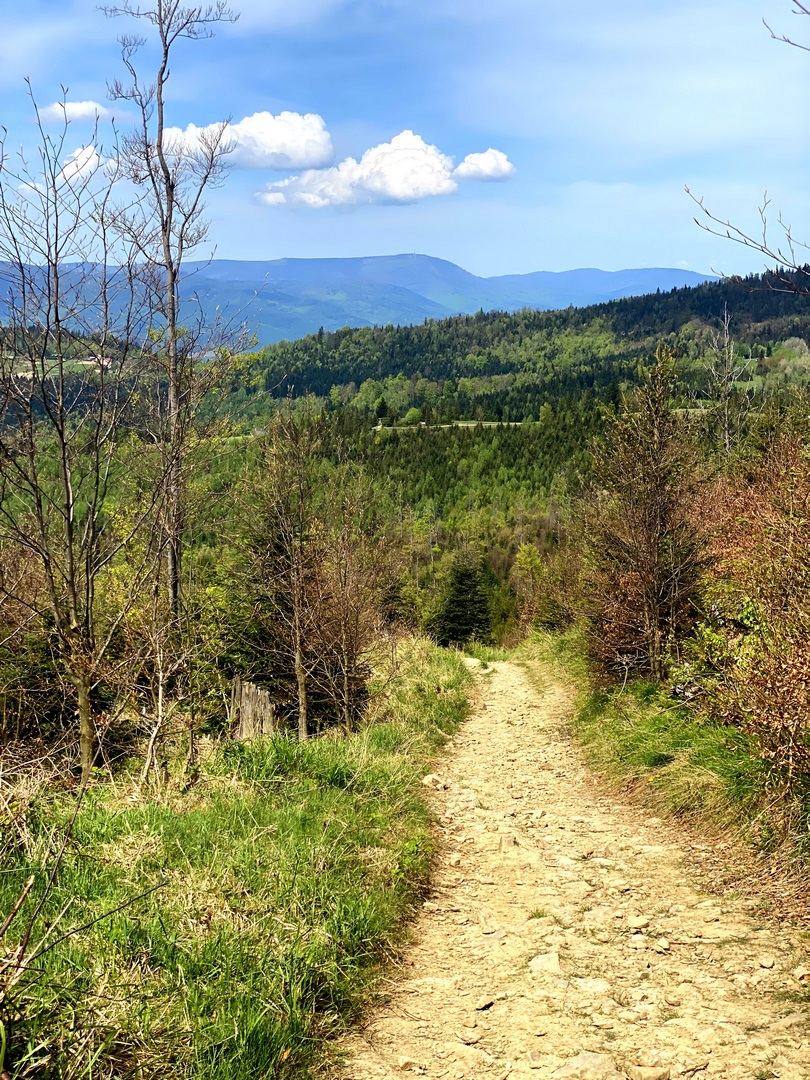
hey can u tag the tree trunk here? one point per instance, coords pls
(174, 492)
(87, 730)
(303, 704)
(656, 648)
(347, 724)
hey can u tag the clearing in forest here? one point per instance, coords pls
(567, 935)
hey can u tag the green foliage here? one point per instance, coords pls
(463, 612)
(676, 760)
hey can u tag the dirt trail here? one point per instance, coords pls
(567, 937)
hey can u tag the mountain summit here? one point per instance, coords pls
(288, 298)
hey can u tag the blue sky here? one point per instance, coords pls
(505, 136)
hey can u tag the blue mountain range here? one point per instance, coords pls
(288, 298)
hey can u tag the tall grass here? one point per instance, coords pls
(244, 917)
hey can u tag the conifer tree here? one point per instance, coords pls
(646, 548)
(463, 613)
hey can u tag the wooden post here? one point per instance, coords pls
(253, 714)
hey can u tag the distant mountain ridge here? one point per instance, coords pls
(288, 298)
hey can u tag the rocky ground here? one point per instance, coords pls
(568, 935)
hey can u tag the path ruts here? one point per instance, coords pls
(566, 936)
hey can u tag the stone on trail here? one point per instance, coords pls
(489, 924)
(647, 1072)
(789, 1021)
(549, 962)
(638, 922)
(433, 781)
(588, 1066)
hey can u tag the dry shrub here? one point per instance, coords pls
(29, 773)
(762, 596)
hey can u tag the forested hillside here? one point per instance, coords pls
(497, 366)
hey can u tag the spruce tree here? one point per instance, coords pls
(463, 613)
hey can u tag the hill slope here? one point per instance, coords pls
(287, 298)
(518, 360)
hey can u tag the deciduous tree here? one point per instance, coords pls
(646, 551)
(171, 174)
(72, 314)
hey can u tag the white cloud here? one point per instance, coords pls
(62, 111)
(286, 141)
(490, 165)
(404, 170)
(79, 165)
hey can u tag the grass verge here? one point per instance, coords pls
(241, 919)
(487, 654)
(638, 738)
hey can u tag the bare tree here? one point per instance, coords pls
(358, 566)
(72, 313)
(172, 174)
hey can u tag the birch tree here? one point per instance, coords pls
(171, 174)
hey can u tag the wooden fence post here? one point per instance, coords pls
(253, 714)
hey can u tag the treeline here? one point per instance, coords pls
(497, 366)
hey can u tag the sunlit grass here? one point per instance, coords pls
(279, 881)
(638, 737)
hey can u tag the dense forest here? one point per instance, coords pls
(494, 366)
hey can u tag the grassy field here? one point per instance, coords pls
(222, 929)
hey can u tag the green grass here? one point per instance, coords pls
(281, 880)
(636, 736)
(487, 654)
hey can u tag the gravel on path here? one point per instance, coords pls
(565, 936)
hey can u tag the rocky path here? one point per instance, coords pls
(566, 936)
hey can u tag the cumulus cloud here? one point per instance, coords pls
(60, 111)
(490, 165)
(80, 164)
(264, 141)
(404, 170)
